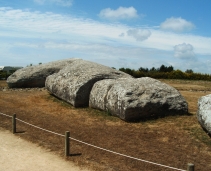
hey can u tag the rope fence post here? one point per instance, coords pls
(14, 123)
(67, 143)
(190, 167)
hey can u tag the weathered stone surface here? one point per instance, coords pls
(35, 76)
(74, 82)
(134, 99)
(204, 112)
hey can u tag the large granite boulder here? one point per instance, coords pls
(133, 99)
(83, 83)
(35, 76)
(204, 113)
(74, 82)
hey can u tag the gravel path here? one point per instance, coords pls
(17, 154)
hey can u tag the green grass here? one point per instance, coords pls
(102, 115)
(200, 135)
(52, 98)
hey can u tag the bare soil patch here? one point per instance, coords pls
(173, 141)
(19, 154)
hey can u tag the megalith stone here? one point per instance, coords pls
(74, 82)
(204, 113)
(35, 76)
(132, 99)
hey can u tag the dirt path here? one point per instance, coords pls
(19, 155)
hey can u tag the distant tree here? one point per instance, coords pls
(129, 71)
(143, 69)
(29, 65)
(170, 69)
(164, 68)
(40, 63)
(153, 69)
(189, 71)
(122, 69)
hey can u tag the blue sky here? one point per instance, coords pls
(116, 33)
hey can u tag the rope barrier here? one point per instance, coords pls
(40, 128)
(127, 155)
(97, 146)
(6, 115)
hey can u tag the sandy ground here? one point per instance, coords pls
(17, 154)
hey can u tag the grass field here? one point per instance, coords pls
(172, 141)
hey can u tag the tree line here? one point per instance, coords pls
(163, 72)
(166, 72)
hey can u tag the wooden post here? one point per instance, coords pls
(190, 167)
(14, 123)
(67, 143)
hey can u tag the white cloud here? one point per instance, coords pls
(27, 36)
(184, 51)
(119, 14)
(65, 3)
(139, 34)
(24, 23)
(198, 66)
(176, 24)
(122, 35)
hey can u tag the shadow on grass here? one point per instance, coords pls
(20, 132)
(76, 154)
(206, 131)
(56, 99)
(157, 117)
(201, 135)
